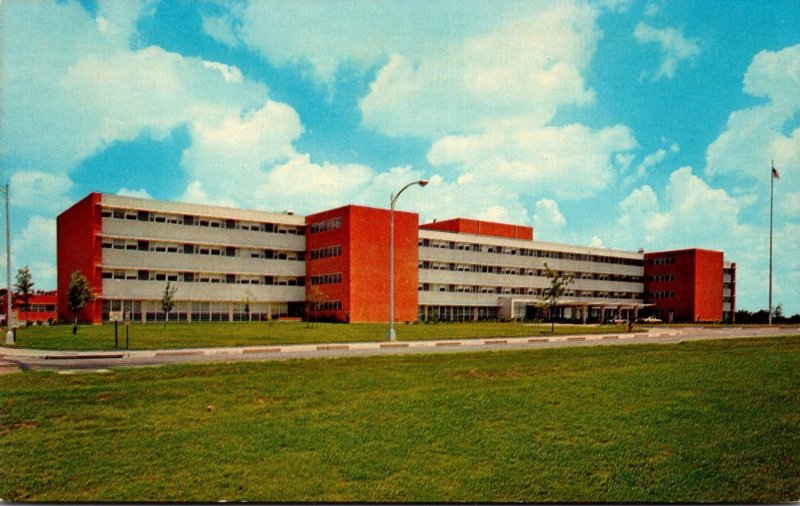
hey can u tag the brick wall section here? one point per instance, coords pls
(708, 285)
(696, 284)
(332, 264)
(479, 227)
(79, 247)
(364, 263)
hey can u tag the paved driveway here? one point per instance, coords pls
(14, 360)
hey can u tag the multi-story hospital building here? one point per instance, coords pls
(244, 265)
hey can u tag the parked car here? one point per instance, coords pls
(651, 319)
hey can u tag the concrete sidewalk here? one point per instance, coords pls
(13, 359)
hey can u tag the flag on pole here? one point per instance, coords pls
(775, 173)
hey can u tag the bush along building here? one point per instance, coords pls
(245, 265)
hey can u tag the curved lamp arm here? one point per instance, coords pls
(393, 201)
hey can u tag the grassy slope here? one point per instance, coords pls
(183, 335)
(704, 421)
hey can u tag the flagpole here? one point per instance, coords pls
(771, 192)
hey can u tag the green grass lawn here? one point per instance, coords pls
(705, 421)
(188, 335)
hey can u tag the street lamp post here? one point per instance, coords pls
(10, 334)
(392, 201)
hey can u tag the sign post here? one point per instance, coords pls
(116, 317)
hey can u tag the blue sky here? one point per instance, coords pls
(614, 123)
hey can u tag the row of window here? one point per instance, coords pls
(518, 271)
(36, 308)
(197, 249)
(511, 250)
(329, 224)
(196, 277)
(327, 279)
(661, 295)
(456, 313)
(662, 261)
(150, 310)
(328, 305)
(329, 251)
(201, 221)
(661, 277)
(535, 292)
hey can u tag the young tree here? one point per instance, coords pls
(314, 299)
(557, 287)
(79, 294)
(168, 301)
(24, 287)
(777, 313)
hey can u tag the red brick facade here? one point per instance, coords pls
(685, 285)
(478, 227)
(79, 247)
(353, 242)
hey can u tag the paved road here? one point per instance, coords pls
(14, 360)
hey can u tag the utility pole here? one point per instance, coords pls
(10, 335)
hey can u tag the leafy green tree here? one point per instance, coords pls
(777, 313)
(168, 301)
(551, 295)
(314, 300)
(79, 294)
(24, 287)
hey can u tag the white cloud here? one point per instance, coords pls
(195, 193)
(231, 73)
(35, 247)
(548, 220)
(693, 214)
(789, 204)
(72, 85)
(310, 186)
(118, 19)
(548, 213)
(485, 102)
(442, 199)
(522, 70)
(675, 48)
(755, 135)
(42, 191)
(141, 193)
(232, 155)
(539, 160)
(221, 29)
(359, 34)
(652, 9)
(652, 160)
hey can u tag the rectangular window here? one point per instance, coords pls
(326, 279)
(330, 224)
(329, 251)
